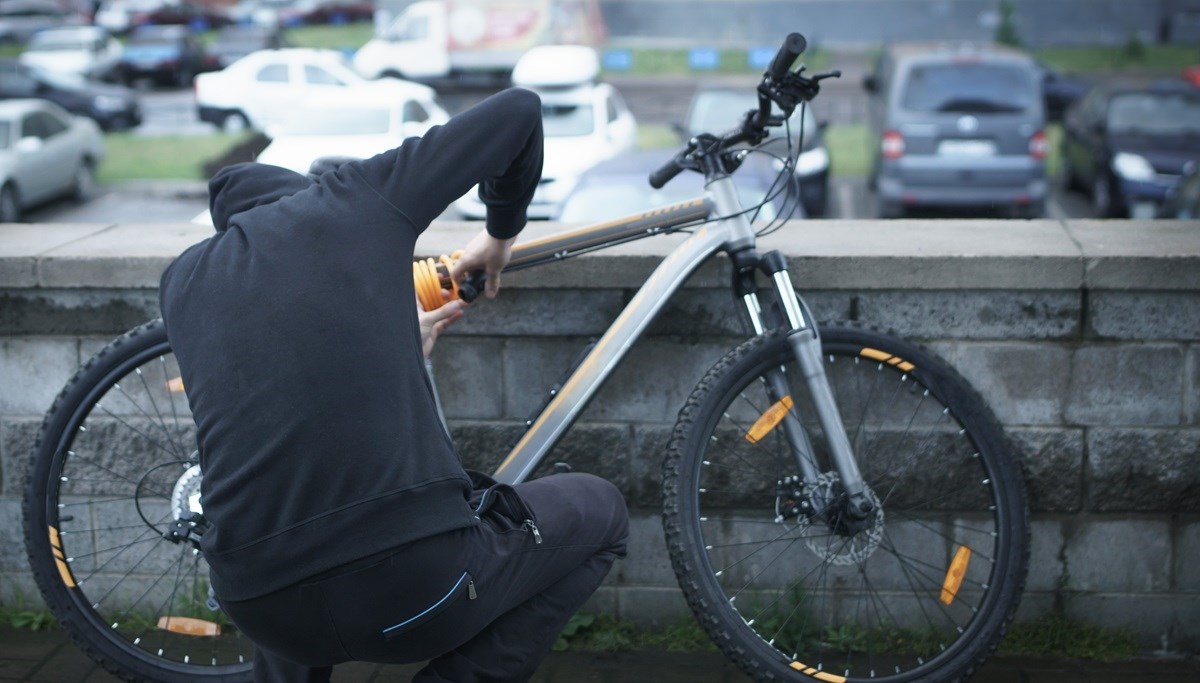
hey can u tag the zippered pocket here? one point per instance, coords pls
(464, 585)
(504, 501)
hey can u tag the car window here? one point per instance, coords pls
(1154, 113)
(415, 29)
(567, 120)
(610, 109)
(413, 111)
(319, 76)
(972, 87)
(42, 125)
(5, 135)
(273, 73)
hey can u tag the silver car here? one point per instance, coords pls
(45, 153)
(957, 127)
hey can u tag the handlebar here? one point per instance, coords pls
(780, 85)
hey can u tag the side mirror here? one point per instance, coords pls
(29, 145)
(870, 83)
(679, 129)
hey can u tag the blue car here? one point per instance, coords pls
(1127, 145)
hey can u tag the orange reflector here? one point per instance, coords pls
(56, 549)
(769, 420)
(883, 356)
(817, 674)
(188, 626)
(955, 574)
(175, 386)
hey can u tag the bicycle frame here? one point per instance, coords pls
(731, 233)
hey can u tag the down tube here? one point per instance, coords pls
(608, 352)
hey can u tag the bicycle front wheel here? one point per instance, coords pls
(791, 587)
(115, 468)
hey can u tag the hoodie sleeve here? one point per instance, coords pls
(496, 144)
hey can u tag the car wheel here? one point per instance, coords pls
(10, 205)
(1102, 203)
(234, 122)
(84, 183)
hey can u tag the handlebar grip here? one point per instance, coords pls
(792, 47)
(664, 174)
(472, 286)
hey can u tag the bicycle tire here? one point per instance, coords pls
(794, 597)
(114, 464)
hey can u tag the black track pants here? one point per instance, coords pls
(484, 603)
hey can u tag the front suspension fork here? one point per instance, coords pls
(805, 341)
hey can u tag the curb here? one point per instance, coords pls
(161, 189)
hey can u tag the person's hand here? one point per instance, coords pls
(436, 321)
(486, 253)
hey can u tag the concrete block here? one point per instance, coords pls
(1173, 619)
(1126, 385)
(132, 255)
(1185, 569)
(652, 606)
(62, 312)
(483, 445)
(648, 563)
(1045, 556)
(17, 439)
(468, 374)
(32, 372)
(1053, 466)
(1147, 255)
(12, 536)
(1191, 390)
(973, 314)
(1144, 315)
(1025, 384)
(649, 449)
(1144, 469)
(1118, 556)
(18, 589)
(531, 367)
(22, 244)
(716, 312)
(543, 312)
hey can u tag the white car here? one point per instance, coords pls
(45, 153)
(356, 125)
(88, 51)
(584, 123)
(260, 89)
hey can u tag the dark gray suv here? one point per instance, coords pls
(957, 127)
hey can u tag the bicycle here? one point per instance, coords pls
(838, 503)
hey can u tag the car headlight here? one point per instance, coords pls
(813, 161)
(108, 103)
(1132, 166)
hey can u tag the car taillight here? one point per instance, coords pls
(892, 145)
(1038, 145)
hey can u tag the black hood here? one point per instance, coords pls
(242, 187)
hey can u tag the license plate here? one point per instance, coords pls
(967, 148)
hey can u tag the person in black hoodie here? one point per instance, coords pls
(340, 523)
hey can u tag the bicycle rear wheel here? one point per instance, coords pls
(791, 588)
(114, 467)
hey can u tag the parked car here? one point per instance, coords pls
(195, 16)
(585, 122)
(957, 127)
(259, 89)
(1183, 201)
(300, 12)
(238, 40)
(112, 107)
(45, 153)
(618, 187)
(122, 16)
(358, 124)
(1127, 145)
(87, 51)
(1060, 90)
(715, 110)
(20, 19)
(167, 55)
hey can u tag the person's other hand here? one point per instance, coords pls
(434, 322)
(486, 253)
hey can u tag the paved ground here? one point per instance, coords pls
(47, 657)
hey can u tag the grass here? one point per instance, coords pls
(19, 615)
(343, 37)
(173, 157)
(1115, 58)
(1058, 636)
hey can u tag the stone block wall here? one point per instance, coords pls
(1083, 336)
